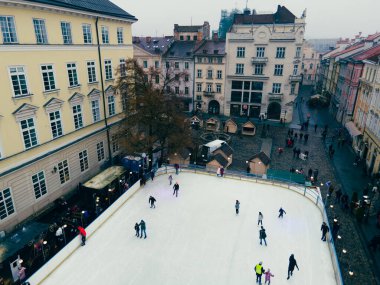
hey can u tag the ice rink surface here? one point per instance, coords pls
(198, 239)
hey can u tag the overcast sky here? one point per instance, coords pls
(325, 18)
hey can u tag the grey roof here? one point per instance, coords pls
(94, 6)
(226, 149)
(211, 47)
(262, 156)
(220, 158)
(153, 45)
(281, 16)
(187, 29)
(181, 49)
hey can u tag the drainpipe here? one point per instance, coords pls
(103, 94)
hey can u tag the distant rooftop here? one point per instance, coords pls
(153, 45)
(94, 6)
(181, 49)
(211, 47)
(281, 16)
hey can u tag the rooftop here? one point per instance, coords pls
(281, 16)
(211, 47)
(153, 45)
(181, 49)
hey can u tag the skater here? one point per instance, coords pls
(137, 229)
(268, 275)
(259, 272)
(152, 174)
(325, 229)
(142, 228)
(83, 234)
(176, 188)
(262, 236)
(176, 166)
(222, 171)
(282, 211)
(170, 179)
(237, 206)
(152, 200)
(218, 172)
(260, 219)
(292, 264)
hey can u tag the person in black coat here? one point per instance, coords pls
(325, 229)
(137, 229)
(152, 200)
(262, 236)
(282, 211)
(292, 265)
(176, 188)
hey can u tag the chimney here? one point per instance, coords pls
(247, 12)
(215, 35)
(175, 27)
(254, 12)
(148, 39)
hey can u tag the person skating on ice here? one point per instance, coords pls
(259, 269)
(262, 236)
(170, 179)
(325, 229)
(260, 219)
(152, 200)
(237, 207)
(282, 212)
(142, 229)
(268, 276)
(176, 188)
(292, 265)
(83, 234)
(137, 229)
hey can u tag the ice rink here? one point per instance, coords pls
(198, 239)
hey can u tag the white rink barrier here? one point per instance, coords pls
(49, 267)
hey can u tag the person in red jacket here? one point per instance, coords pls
(83, 234)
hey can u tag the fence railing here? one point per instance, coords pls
(311, 193)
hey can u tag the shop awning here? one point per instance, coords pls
(105, 178)
(352, 129)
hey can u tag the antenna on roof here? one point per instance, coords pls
(246, 4)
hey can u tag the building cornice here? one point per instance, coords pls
(52, 47)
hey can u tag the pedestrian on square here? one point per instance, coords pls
(292, 265)
(306, 137)
(152, 200)
(301, 136)
(268, 276)
(222, 171)
(262, 236)
(338, 195)
(331, 190)
(83, 234)
(170, 179)
(310, 172)
(237, 207)
(142, 228)
(152, 174)
(137, 229)
(315, 174)
(324, 134)
(282, 212)
(259, 269)
(325, 229)
(298, 152)
(260, 219)
(176, 188)
(296, 136)
(315, 128)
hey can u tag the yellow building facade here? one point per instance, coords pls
(59, 113)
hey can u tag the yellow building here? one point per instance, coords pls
(58, 112)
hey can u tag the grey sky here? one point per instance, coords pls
(325, 18)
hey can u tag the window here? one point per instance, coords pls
(220, 60)
(181, 38)
(195, 38)
(209, 88)
(157, 64)
(105, 35)
(91, 73)
(56, 124)
(120, 36)
(295, 69)
(302, 66)
(66, 33)
(239, 68)
(219, 74)
(276, 88)
(188, 38)
(199, 87)
(40, 30)
(186, 90)
(280, 52)
(177, 90)
(78, 119)
(240, 52)
(210, 60)
(260, 52)
(157, 79)
(83, 160)
(278, 69)
(259, 69)
(63, 170)
(186, 78)
(292, 88)
(186, 65)
(87, 36)
(115, 143)
(167, 64)
(18, 78)
(298, 52)
(176, 77)
(123, 67)
(108, 69)
(111, 105)
(145, 64)
(199, 98)
(6, 204)
(199, 73)
(8, 29)
(95, 110)
(39, 184)
(48, 77)
(176, 65)
(218, 88)
(29, 134)
(72, 73)
(311, 66)
(199, 59)
(209, 74)
(100, 150)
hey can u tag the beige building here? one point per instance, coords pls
(210, 59)
(192, 33)
(59, 113)
(310, 65)
(264, 64)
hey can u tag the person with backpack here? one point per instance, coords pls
(142, 228)
(262, 236)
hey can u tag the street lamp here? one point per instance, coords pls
(63, 231)
(44, 242)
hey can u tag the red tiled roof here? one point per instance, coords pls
(373, 37)
(368, 53)
(350, 48)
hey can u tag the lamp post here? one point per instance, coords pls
(44, 242)
(63, 232)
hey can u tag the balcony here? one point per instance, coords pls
(275, 96)
(297, 78)
(208, 94)
(257, 60)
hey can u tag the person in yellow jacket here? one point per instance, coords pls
(259, 269)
